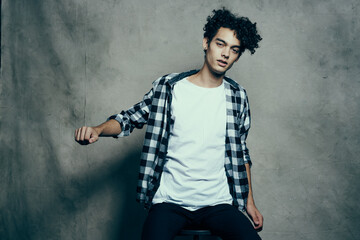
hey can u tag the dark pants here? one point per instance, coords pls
(165, 220)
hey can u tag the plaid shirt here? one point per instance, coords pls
(154, 110)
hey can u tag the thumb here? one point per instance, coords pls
(93, 139)
(256, 218)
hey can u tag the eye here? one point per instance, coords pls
(235, 50)
(219, 44)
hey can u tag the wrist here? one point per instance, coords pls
(98, 130)
(250, 201)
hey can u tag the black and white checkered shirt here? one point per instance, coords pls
(154, 110)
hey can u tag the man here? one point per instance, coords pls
(195, 166)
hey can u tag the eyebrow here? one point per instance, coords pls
(220, 40)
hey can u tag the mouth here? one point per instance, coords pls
(222, 63)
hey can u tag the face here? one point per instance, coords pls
(222, 52)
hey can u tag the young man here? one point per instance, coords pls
(195, 166)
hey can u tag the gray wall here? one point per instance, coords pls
(74, 62)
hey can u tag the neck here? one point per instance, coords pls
(206, 78)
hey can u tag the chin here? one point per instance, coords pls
(219, 71)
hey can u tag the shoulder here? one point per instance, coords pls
(172, 78)
(165, 79)
(235, 85)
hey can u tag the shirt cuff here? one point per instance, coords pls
(118, 117)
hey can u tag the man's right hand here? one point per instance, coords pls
(86, 135)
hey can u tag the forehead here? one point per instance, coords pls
(227, 35)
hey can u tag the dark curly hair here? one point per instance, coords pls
(245, 30)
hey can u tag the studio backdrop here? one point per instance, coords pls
(69, 63)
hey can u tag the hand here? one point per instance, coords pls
(86, 135)
(255, 216)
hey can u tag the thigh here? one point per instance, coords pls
(163, 222)
(229, 223)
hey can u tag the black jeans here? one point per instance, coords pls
(165, 220)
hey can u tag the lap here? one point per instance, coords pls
(228, 222)
(163, 222)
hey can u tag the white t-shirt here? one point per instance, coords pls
(194, 173)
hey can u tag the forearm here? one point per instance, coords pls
(108, 128)
(250, 196)
(251, 209)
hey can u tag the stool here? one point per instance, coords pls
(196, 233)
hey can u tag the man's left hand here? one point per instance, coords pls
(255, 216)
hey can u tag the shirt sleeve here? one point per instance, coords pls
(134, 117)
(245, 121)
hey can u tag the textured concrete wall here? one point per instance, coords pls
(74, 62)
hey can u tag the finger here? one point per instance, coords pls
(78, 134)
(253, 217)
(83, 132)
(259, 222)
(256, 219)
(88, 133)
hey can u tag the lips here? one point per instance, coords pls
(222, 63)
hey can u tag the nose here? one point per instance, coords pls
(225, 52)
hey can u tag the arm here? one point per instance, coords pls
(121, 124)
(87, 135)
(251, 209)
(245, 120)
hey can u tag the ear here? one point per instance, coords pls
(205, 43)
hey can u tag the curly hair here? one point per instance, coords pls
(245, 30)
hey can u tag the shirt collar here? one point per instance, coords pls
(180, 76)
